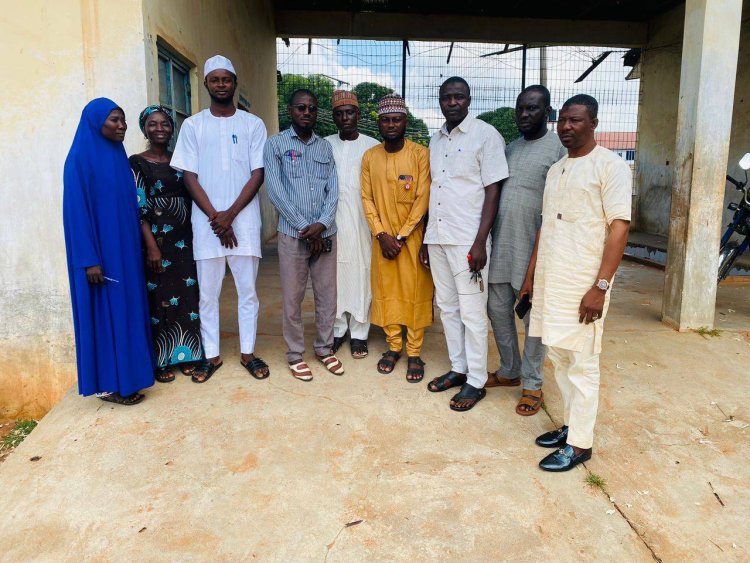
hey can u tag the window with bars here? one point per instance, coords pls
(174, 86)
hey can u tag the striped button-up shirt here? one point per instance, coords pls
(301, 181)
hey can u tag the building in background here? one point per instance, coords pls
(136, 52)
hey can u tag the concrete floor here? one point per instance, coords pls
(370, 467)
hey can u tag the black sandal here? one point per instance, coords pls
(163, 375)
(446, 381)
(388, 360)
(470, 392)
(118, 399)
(203, 372)
(337, 342)
(415, 375)
(254, 366)
(359, 348)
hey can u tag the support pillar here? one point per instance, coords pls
(704, 119)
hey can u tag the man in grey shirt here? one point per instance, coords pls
(513, 236)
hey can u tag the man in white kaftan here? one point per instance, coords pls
(585, 221)
(354, 240)
(220, 150)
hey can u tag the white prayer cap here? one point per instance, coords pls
(218, 62)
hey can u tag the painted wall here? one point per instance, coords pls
(57, 56)
(243, 32)
(658, 119)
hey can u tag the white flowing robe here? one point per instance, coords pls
(354, 240)
(582, 197)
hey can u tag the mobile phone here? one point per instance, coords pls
(523, 306)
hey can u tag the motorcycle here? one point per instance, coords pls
(730, 250)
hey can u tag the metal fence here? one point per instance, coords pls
(495, 72)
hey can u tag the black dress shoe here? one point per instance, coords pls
(564, 459)
(554, 439)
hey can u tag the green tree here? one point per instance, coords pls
(504, 120)
(368, 95)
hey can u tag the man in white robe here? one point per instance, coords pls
(220, 151)
(585, 222)
(354, 240)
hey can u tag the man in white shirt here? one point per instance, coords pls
(585, 223)
(467, 162)
(220, 151)
(354, 252)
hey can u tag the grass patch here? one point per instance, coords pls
(705, 331)
(593, 480)
(22, 429)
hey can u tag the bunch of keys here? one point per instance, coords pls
(476, 277)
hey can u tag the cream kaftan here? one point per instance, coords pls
(354, 240)
(582, 197)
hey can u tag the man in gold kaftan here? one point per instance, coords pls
(395, 196)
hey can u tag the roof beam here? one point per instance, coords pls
(398, 26)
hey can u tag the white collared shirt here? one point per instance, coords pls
(462, 163)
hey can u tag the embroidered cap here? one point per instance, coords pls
(218, 62)
(344, 98)
(391, 103)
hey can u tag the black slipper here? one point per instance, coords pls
(118, 399)
(208, 368)
(446, 381)
(358, 347)
(337, 342)
(418, 371)
(163, 375)
(255, 365)
(388, 360)
(470, 392)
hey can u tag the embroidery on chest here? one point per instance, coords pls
(292, 155)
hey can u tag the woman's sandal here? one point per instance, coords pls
(530, 398)
(387, 362)
(188, 369)
(332, 364)
(163, 375)
(255, 366)
(446, 381)
(359, 348)
(203, 372)
(116, 398)
(414, 374)
(468, 392)
(300, 370)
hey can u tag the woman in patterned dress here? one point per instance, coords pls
(171, 279)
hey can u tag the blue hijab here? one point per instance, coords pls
(100, 217)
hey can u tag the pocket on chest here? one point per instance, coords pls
(240, 149)
(405, 188)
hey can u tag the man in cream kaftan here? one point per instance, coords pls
(354, 241)
(585, 220)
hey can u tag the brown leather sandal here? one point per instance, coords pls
(493, 380)
(530, 398)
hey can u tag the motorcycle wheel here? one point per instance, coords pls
(727, 256)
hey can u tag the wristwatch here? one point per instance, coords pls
(399, 238)
(603, 284)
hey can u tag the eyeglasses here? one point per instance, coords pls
(302, 107)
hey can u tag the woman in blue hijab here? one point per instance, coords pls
(105, 263)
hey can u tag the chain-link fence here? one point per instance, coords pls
(495, 72)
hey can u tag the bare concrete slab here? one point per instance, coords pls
(370, 467)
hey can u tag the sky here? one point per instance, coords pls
(495, 80)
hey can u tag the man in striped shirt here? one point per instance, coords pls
(303, 186)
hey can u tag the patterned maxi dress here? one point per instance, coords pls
(172, 294)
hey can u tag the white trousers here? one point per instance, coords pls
(359, 331)
(210, 276)
(463, 310)
(577, 375)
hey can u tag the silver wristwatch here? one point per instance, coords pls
(603, 284)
